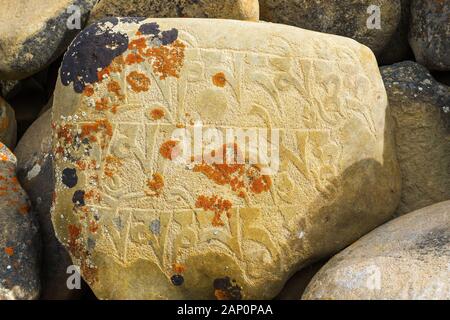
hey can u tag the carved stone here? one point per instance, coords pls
(141, 225)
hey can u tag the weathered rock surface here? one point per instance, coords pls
(398, 48)
(407, 258)
(346, 18)
(141, 224)
(421, 109)
(224, 9)
(19, 236)
(35, 173)
(430, 33)
(35, 32)
(8, 125)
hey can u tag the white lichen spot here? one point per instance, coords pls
(34, 172)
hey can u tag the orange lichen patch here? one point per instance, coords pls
(65, 133)
(180, 126)
(102, 104)
(9, 251)
(157, 183)
(103, 73)
(261, 184)
(111, 165)
(139, 82)
(74, 233)
(89, 272)
(93, 226)
(215, 204)
(138, 44)
(84, 164)
(24, 209)
(221, 295)
(87, 269)
(157, 114)
(100, 126)
(169, 149)
(221, 173)
(133, 58)
(114, 108)
(59, 150)
(178, 268)
(219, 79)
(88, 91)
(167, 61)
(116, 64)
(114, 87)
(236, 176)
(93, 195)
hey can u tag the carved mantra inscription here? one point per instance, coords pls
(131, 201)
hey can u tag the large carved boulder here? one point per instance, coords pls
(224, 9)
(407, 258)
(143, 223)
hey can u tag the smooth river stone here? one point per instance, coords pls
(142, 225)
(404, 259)
(33, 33)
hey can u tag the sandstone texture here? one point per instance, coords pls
(405, 259)
(420, 107)
(143, 224)
(8, 125)
(346, 18)
(430, 33)
(224, 9)
(19, 236)
(35, 32)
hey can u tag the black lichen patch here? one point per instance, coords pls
(94, 48)
(225, 289)
(69, 177)
(78, 198)
(177, 280)
(152, 29)
(436, 242)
